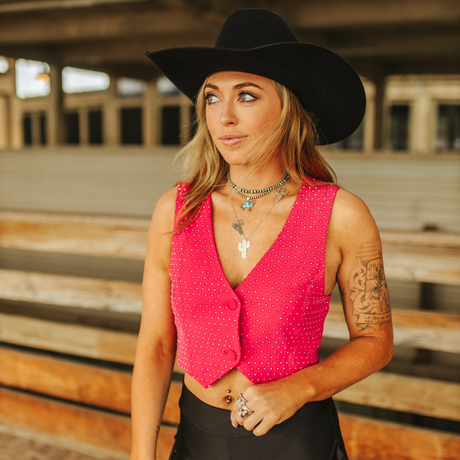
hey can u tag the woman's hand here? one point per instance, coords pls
(271, 403)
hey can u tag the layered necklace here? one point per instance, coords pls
(237, 224)
(251, 200)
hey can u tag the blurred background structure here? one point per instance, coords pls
(88, 132)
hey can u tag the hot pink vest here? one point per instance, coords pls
(271, 325)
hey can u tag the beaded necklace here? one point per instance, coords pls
(238, 223)
(251, 200)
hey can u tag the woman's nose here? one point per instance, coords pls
(227, 116)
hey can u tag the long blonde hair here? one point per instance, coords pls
(294, 138)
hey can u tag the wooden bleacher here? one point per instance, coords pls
(81, 391)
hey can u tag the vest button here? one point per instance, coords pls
(231, 355)
(232, 304)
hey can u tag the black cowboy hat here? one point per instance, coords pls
(260, 42)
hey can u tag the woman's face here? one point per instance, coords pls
(239, 108)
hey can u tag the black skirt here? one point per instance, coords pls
(206, 433)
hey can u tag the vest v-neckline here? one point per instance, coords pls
(266, 254)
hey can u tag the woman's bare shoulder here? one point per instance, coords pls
(350, 216)
(163, 216)
(349, 205)
(167, 201)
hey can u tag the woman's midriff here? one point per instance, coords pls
(221, 394)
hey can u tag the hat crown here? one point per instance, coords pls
(251, 28)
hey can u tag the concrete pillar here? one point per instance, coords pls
(150, 115)
(421, 128)
(379, 112)
(4, 125)
(55, 116)
(7, 91)
(16, 137)
(17, 134)
(369, 119)
(110, 116)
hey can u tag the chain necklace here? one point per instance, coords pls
(238, 223)
(251, 200)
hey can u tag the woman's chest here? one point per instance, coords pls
(244, 239)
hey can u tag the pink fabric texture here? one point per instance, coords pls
(271, 325)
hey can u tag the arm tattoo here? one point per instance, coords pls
(157, 430)
(368, 288)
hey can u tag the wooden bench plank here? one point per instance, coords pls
(65, 379)
(427, 239)
(81, 424)
(72, 339)
(433, 398)
(413, 328)
(429, 265)
(368, 439)
(71, 291)
(74, 234)
(109, 431)
(74, 381)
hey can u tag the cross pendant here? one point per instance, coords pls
(243, 246)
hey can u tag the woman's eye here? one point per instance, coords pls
(247, 97)
(211, 98)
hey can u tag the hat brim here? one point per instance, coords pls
(323, 81)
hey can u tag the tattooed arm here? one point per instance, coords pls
(354, 260)
(367, 289)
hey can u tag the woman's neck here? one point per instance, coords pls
(266, 177)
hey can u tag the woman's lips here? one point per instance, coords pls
(232, 139)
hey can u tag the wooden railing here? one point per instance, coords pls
(90, 402)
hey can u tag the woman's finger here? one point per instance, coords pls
(233, 419)
(251, 421)
(234, 415)
(263, 427)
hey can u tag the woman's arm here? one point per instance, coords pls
(156, 346)
(354, 238)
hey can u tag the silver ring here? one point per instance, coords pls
(241, 400)
(244, 411)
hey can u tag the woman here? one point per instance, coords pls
(244, 254)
